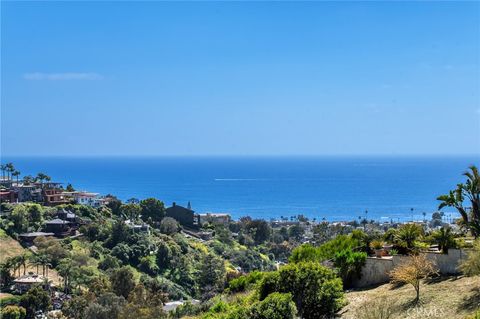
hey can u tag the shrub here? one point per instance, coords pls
(275, 306)
(381, 308)
(243, 282)
(349, 265)
(444, 239)
(13, 312)
(471, 265)
(316, 290)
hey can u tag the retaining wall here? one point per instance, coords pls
(376, 270)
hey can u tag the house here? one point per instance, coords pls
(215, 218)
(172, 305)
(53, 194)
(25, 282)
(28, 193)
(185, 216)
(8, 196)
(30, 237)
(60, 227)
(86, 198)
(68, 216)
(138, 228)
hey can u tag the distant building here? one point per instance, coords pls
(24, 283)
(186, 217)
(30, 237)
(8, 196)
(86, 198)
(28, 193)
(138, 228)
(53, 194)
(60, 227)
(215, 218)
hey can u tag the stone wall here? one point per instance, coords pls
(376, 270)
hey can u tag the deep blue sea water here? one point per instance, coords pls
(337, 188)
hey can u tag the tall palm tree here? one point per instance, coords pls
(28, 179)
(42, 178)
(468, 191)
(16, 174)
(3, 168)
(10, 169)
(23, 259)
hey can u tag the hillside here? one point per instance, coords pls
(449, 297)
(9, 247)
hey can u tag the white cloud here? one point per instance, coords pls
(38, 76)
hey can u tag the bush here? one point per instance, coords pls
(316, 290)
(275, 306)
(242, 283)
(349, 265)
(13, 312)
(324, 252)
(471, 266)
(381, 308)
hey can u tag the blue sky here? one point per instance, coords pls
(240, 78)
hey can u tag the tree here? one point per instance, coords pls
(411, 272)
(349, 265)
(114, 204)
(131, 211)
(16, 174)
(107, 306)
(444, 239)
(123, 281)
(36, 299)
(316, 290)
(152, 209)
(13, 312)
(470, 190)
(211, 275)
(3, 168)
(296, 231)
(274, 306)
(41, 177)
(407, 234)
(169, 226)
(70, 188)
(259, 229)
(10, 169)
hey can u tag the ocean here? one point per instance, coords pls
(334, 188)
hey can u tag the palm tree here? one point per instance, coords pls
(28, 179)
(10, 169)
(3, 168)
(42, 177)
(16, 174)
(407, 234)
(470, 190)
(22, 260)
(444, 238)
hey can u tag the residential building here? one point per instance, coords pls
(215, 218)
(26, 282)
(185, 216)
(86, 198)
(61, 228)
(8, 196)
(53, 194)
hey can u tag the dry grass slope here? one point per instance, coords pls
(447, 297)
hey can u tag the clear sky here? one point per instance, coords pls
(240, 78)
